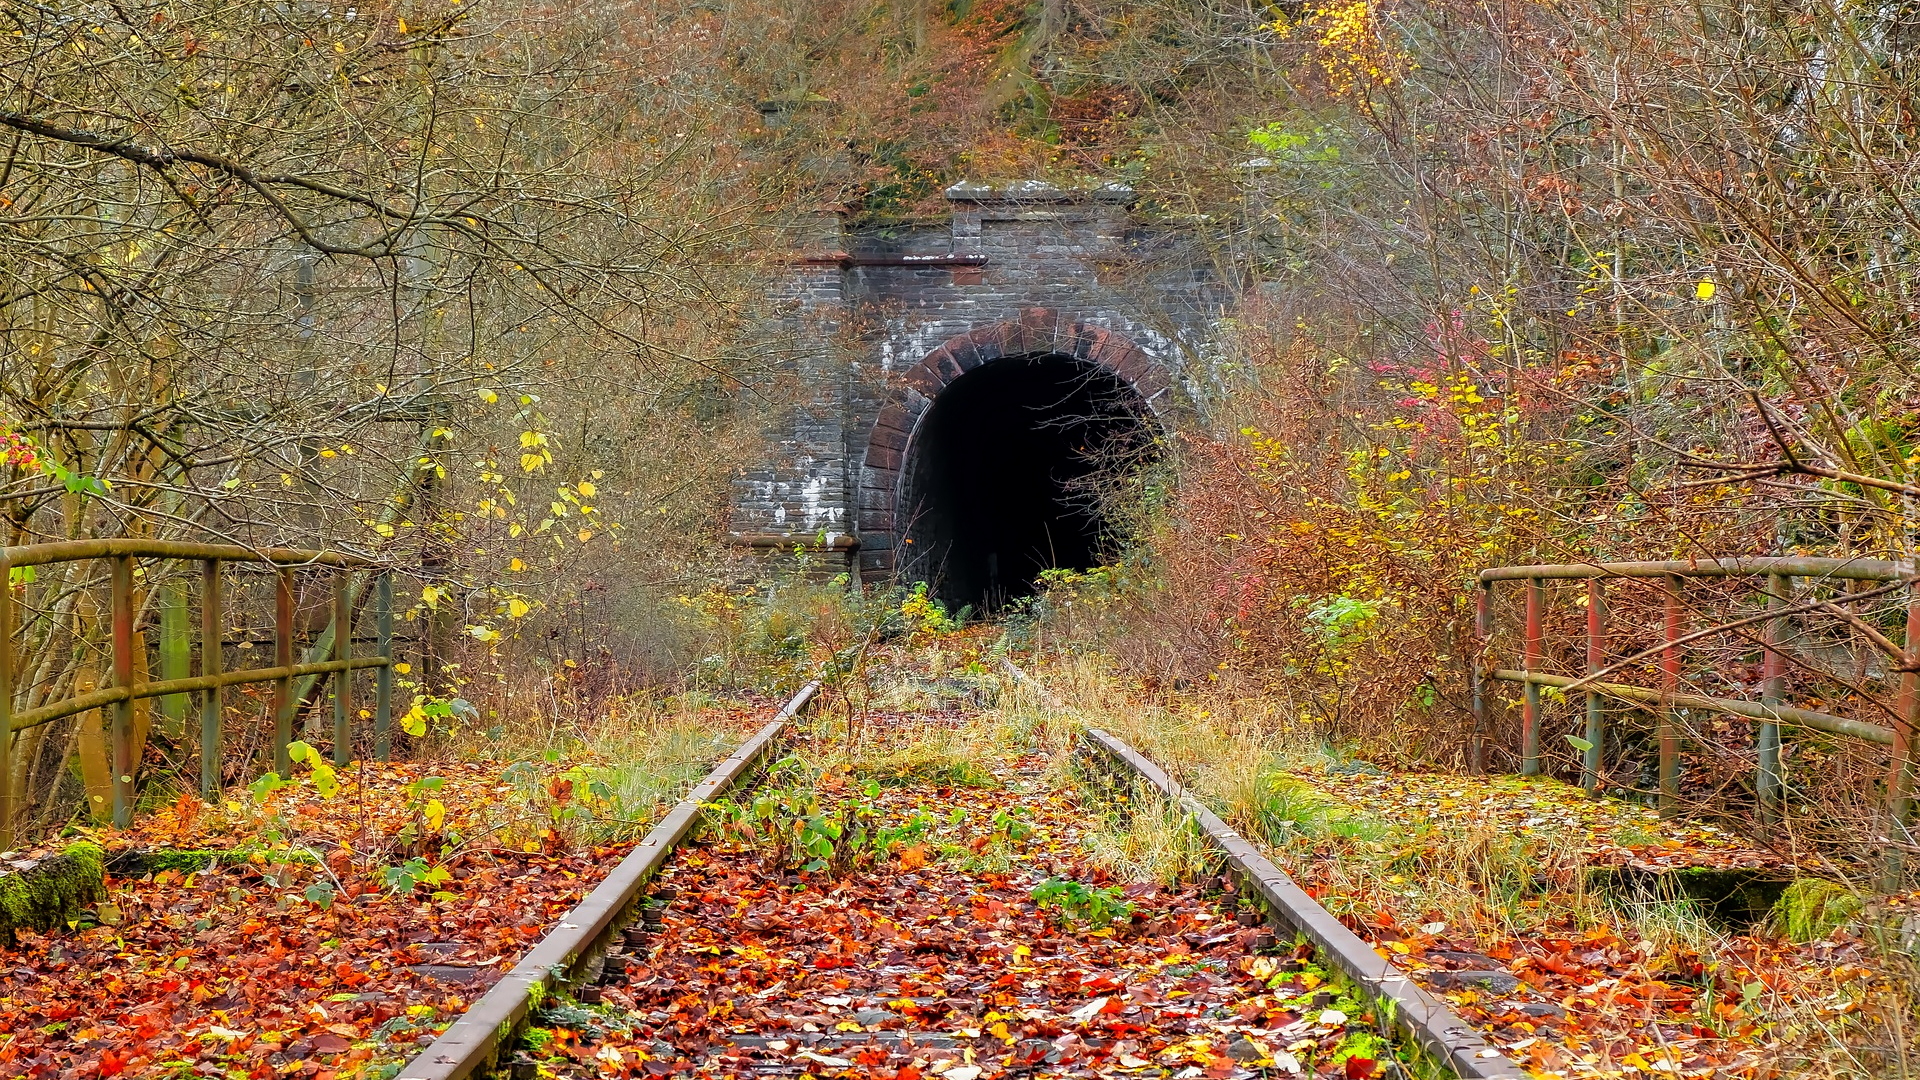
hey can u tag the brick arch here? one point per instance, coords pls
(1035, 332)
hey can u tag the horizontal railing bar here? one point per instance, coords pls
(1837, 725)
(72, 550)
(111, 695)
(1843, 569)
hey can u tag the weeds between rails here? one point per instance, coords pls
(938, 900)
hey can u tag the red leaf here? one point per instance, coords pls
(1359, 1068)
(329, 1043)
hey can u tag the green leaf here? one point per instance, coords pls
(1579, 744)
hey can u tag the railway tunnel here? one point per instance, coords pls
(1015, 468)
(969, 388)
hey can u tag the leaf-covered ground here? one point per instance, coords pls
(324, 933)
(982, 928)
(1563, 925)
(981, 943)
(1609, 831)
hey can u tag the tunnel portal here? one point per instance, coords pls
(1011, 472)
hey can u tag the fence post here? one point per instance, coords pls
(342, 679)
(1900, 775)
(121, 746)
(1592, 757)
(383, 676)
(212, 661)
(1773, 687)
(1483, 632)
(176, 655)
(1669, 724)
(1530, 662)
(283, 705)
(6, 704)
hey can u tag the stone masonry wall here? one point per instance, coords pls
(881, 320)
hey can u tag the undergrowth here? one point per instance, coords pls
(1445, 873)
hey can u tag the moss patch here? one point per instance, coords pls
(135, 863)
(1811, 908)
(50, 892)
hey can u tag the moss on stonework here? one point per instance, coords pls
(50, 892)
(137, 863)
(1811, 908)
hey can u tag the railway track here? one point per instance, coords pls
(807, 913)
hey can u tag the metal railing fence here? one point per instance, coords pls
(120, 695)
(1783, 576)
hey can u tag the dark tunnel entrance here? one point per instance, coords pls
(1008, 470)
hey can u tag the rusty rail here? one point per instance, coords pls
(475, 1043)
(1410, 1009)
(1771, 713)
(213, 678)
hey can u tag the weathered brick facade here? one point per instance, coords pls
(881, 321)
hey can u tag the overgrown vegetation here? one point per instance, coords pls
(1506, 871)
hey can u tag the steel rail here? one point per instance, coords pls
(113, 695)
(1807, 718)
(1416, 1013)
(476, 1041)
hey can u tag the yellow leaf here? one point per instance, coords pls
(436, 813)
(488, 396)
(516, 607)
(585, 535)
(403, 667)
(516, 566)
(1703, 291)
(403, 25)
(530, 462)
(586, 488)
